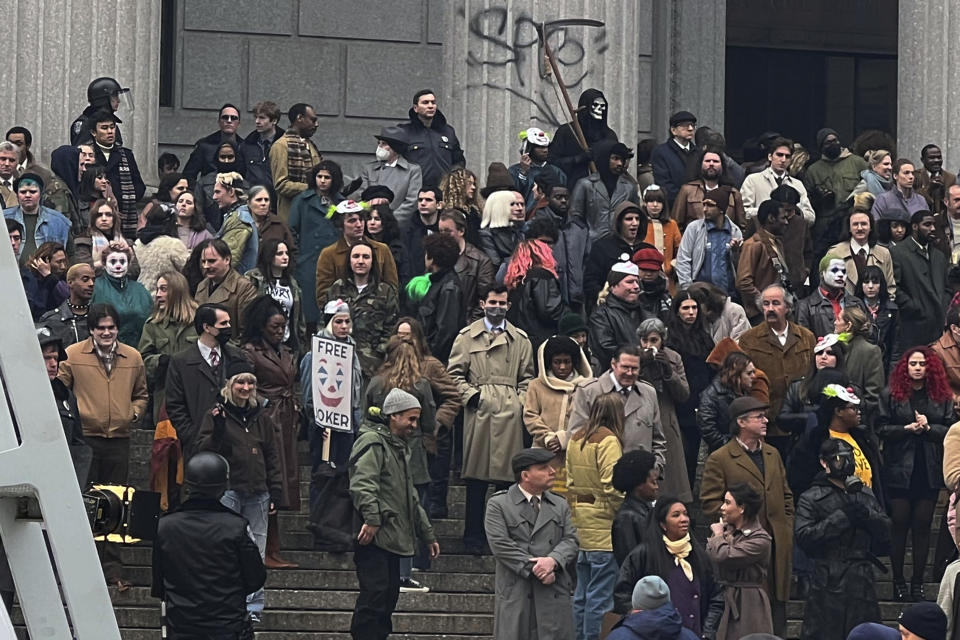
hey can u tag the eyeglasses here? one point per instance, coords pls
(229, 118)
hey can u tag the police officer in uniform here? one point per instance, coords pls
(205, 561)
(102, 93)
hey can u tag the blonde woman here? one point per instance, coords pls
(237, 429)
(501, 228)
(168, 330)
(239, 229)
(591, 455)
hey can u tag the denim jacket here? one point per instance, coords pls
(52, 226)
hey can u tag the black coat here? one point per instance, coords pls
(42, 294)
(256, 156)
(113, 169)
(80, 128)
(628, 526)
(612, 324)
(922, 293)
(901, 446)
(204, 565)
(413, 243)
(638, 564)
(566, 153)
(436, 149)
(816, 313)
(713, 415)
(604, 253)
(441, 313)
(536, 305)
(803, 465)
(499, 243)
(797, 413)
(885, 333)
(843, 552)
(202, 159)
(70, 328)
(192, 389)
(670, 167)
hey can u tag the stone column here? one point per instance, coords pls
(927, 106)
(689, 40)
(58, 46)
(493, 70)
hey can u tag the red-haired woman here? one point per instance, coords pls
(536, 305)
(916, 409)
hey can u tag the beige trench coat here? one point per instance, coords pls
(492, 374)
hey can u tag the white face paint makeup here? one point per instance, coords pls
(117, 264)
(835, 274)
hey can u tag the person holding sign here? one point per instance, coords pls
(330, 382)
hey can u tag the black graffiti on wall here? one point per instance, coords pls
(511, 43)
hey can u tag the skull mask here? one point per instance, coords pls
(598, 110)
(117, 264)
(835, 275)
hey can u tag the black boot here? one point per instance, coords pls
(900, 593)
(916, 592)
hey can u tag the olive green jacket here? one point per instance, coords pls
(381, 487)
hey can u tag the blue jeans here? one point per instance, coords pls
(596, 577)
(254, 507)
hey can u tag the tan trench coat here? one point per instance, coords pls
(492, 374)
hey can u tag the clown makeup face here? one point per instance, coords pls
(598, 109)
(117, 264)
(835, 275)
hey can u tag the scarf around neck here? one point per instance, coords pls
(680, 549)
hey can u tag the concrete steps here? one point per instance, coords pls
(316, 600)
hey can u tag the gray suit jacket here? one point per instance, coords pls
(404, 179)
(641, 428)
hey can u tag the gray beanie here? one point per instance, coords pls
(398, 401)
(650, 592)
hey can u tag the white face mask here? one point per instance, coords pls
(382, 154)
(598, 109)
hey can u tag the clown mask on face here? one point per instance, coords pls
(835, 275)
(598, 109)
(117, 264)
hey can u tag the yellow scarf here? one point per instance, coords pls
(680, 549)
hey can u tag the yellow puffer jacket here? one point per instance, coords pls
(593, 500)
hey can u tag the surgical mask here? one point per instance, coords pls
(224, 335)
(382, 154)
(832, 150)
(494, 315)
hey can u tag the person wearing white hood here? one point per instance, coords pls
(339, 326)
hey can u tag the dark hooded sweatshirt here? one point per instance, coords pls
(565, 151)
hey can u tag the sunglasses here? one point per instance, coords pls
(229, 118)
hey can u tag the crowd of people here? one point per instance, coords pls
(770, 346)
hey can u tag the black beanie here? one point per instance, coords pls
(925, 619)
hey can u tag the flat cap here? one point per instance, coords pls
(528, 457)
(682, 116)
